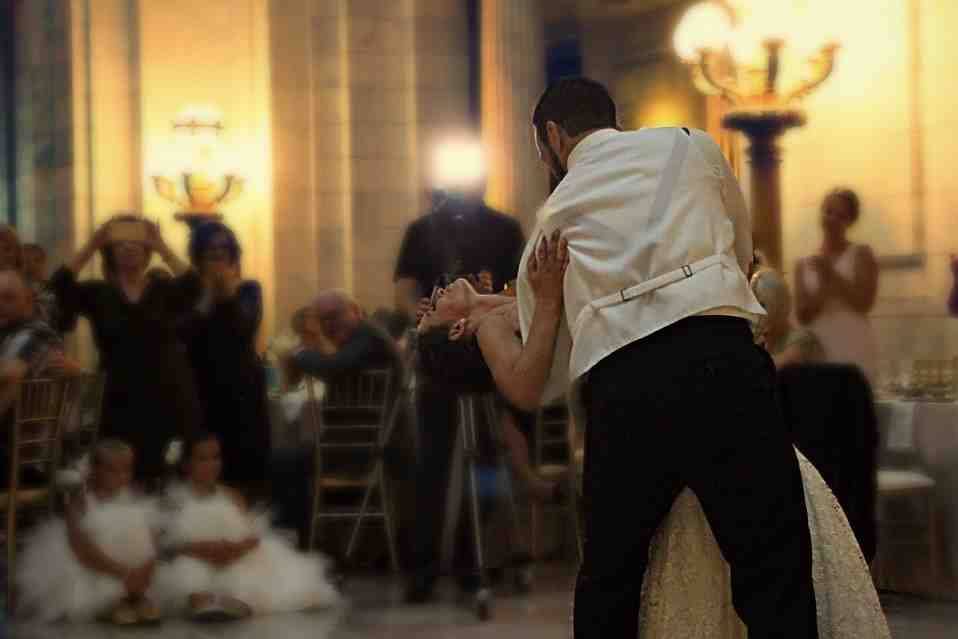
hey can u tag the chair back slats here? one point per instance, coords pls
(352, 425)
(37, 426)
(354, 410)
(35, 444)
(83, 407)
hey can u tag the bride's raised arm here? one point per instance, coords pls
(521, 372)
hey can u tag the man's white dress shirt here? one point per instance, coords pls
(658, 231)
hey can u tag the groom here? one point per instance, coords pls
(657, 347)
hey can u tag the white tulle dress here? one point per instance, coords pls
(687, 591)
(272, 578)
(53, 585)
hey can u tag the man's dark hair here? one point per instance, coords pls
(577, 105)
(454, 364)
(194, 439)
(202, 237)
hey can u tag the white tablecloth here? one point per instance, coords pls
(924, 435)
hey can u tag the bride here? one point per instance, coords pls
(473, 341)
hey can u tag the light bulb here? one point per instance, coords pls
(458, 164)
(705, 26)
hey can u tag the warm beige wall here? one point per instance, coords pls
(135, 64)
(331, 108)
(878, 126)
(362, 92)
(513, 78)
(106, 110)
(214, 52)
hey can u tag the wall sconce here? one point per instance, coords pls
(199, 180)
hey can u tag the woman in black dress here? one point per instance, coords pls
(150, 395)
(221, 341)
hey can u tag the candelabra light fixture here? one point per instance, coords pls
(763, 57)
(200, 180)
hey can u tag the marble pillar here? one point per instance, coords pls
(513, 77)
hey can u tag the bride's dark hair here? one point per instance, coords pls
(456, 364)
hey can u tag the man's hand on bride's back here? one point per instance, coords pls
(546, 268)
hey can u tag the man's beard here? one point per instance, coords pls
(556, 172)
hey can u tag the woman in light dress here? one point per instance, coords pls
(687, 590)
(836, 289)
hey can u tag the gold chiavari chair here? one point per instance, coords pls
(35, 447)
(353, 424)
(554, 459)
(83, 408)
(898, 489)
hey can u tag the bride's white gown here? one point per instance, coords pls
(687, 591)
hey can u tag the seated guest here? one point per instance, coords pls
(99, 561)
(306, 326)
(359, 343)
(35, 270)
(337, 341)
(228, 563)
(396, 324)
(11, 251)
(28, 346)
(292, 466)
(786, 344)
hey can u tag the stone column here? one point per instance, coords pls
(763, 132)
(513, 77)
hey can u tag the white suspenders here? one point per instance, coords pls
(663, 197)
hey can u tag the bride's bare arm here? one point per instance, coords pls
(521, 372)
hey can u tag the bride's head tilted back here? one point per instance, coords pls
(448, 350)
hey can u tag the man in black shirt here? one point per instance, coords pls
(461, 237)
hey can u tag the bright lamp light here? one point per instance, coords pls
(198, 176)
(458, 164)
(705, 26)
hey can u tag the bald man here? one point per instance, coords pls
(359, 344)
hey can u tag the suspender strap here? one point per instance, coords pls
(670, 175)
(648, 286)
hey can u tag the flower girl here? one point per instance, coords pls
(99, 561)
(226, 562)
